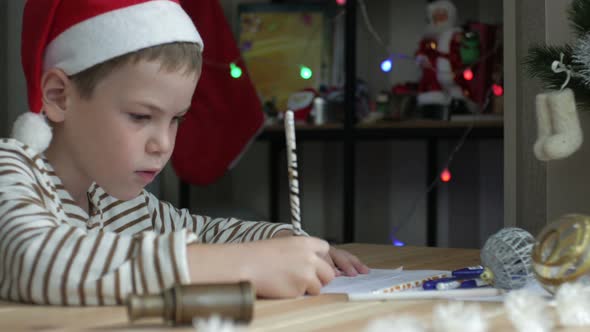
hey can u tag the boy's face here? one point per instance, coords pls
(123, 135)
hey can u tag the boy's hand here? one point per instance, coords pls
(278, 268)
(345, 263)
(288, 267)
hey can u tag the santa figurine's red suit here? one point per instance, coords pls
(442, 81)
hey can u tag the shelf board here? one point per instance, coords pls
(431, 124)
(409, 129)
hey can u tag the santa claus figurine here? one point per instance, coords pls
(442, 87)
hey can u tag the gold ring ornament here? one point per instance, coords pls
(562, 252)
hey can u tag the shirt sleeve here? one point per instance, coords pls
(166, 218)
(44, 260)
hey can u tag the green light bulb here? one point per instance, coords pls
(235, 71)
(305, 73)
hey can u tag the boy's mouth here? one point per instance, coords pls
(147, 175)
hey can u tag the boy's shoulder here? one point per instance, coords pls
(13, 145)
(18, 151)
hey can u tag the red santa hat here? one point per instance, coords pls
(75, 35)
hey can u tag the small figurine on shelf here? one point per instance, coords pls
(383, 104)
(470, 48)
(442, 86)
(301, 103)
(271, 111)
(403, 101)
(381, 109)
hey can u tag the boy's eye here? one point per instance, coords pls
(139, 117)
(179, 119)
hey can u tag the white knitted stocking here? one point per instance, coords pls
(543, 126)
(559, 129)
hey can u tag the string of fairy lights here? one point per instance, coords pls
(387, 67)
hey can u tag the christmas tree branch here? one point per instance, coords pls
(579, 16)
(575, 63)
(538, 64)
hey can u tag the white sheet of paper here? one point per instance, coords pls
(377, 279)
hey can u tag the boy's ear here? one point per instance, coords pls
(55, 88)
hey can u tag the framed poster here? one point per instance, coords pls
(286, 48)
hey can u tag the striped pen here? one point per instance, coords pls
(293, 174)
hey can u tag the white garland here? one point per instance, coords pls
(528, 312)
(215, 324)
(456, 316)
(572, 303)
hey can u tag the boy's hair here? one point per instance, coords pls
(172, 57)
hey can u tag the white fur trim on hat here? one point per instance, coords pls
(92, 41)
(33, 130)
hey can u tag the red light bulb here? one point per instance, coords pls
(468, 74)
(498, 90)
(445, 176)
(341, 2)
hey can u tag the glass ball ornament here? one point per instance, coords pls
(562, 252)
(506, 257)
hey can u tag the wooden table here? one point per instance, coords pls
(319, 313)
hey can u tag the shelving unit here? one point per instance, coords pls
(348, 133)
(429, 131)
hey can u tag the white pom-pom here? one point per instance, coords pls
(395, 324)
(457, 316)
(528, 312)
(33, 130)
(215, 324)
(573, 304)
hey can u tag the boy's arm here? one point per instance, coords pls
(211, 230)
(46, 261)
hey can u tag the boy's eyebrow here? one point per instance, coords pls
(157, 109)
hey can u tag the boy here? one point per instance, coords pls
(113, 79)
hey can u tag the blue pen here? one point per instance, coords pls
(469, 272)
(471, 283)
(431, 284)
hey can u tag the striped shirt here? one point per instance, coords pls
(53, 252)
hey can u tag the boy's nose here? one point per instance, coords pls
(160, 144)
